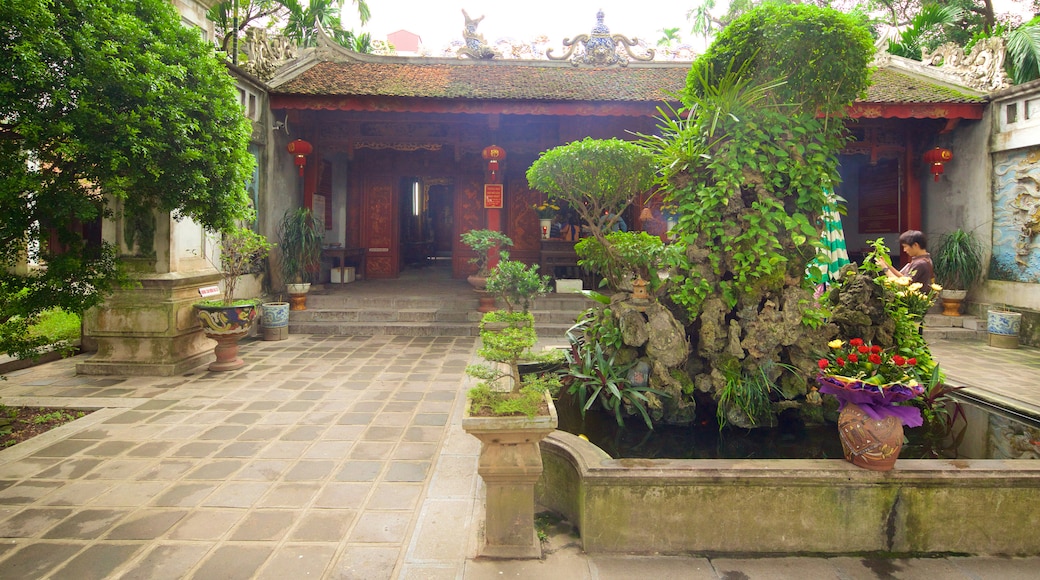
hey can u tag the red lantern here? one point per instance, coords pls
(493, 154)
(936, 158)
(300, 149)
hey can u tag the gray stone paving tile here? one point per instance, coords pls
(146, 524)
(32, 522)
(85, 524)
(1002, 568)
(244, 449)
(284, 450)
(367, 407)
(387, 527)
(431, 419)
(246, 418)
(150, 449)
(310, 470)
(237, 494)
(365, 563)
(216, 469)
(409, 450)
(342, 495)
(222, 433)
(264, 525)
(70, 469)
(206, 524)
(425, 434)
(263, 470)
(198, 449)
(455, 476)
(185, 495)
(290, 495)
(355, 418)
(120, 469)
(323, 525)
(303, 433)
(371, 450)
(344, 433)
(386, 419)
(110, 448)
(264, 434)
(27, 492)
(166, 562)
(129, 417)
(359, 471)
(394, 496)
(414, 471)
(379, 433)
(78, 493)
(66, 448)
(37, 559)
(442, 531)
(234, 561)
(620, 567)
(329, 450)
(130, 494)
(896, 568)
(298, 561)
(166, 470)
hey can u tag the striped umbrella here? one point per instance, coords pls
(834, 254)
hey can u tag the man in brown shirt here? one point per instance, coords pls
(919, 269)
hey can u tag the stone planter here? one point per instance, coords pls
(274, 320)
(298, 295)
(510, 465)
(1004, 327)
(226, 325)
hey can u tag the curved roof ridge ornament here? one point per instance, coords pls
(600, 48)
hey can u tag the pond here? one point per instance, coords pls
(990, 433)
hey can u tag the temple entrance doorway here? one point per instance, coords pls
(425, 222)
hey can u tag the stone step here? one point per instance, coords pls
(331, 328)
(954, 333)
(966, 321)
(417, 315)
(464, 302)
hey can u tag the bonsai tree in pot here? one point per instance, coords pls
(957, 263)
(300, 237)
(509, 414)
(228, 319)
(482, 242)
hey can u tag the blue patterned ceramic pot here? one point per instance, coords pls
(1004, 323)
(274, 314)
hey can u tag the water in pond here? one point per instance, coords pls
(789, 440)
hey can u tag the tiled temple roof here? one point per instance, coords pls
(895, 92)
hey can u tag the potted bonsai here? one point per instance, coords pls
(228, 319)
(300, 236)
(510, 414)
(957, 263)
(482, 242)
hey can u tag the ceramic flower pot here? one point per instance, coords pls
(274, 320)
(546, 227)
(298, 295)
(1003, 327)
(951, 301)
(226, 325)
(869, 443)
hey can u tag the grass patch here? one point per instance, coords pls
(57, 325)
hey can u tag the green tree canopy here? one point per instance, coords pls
(821, 55)
(104, 101)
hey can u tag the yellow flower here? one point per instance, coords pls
(936, 287)
(903, 281)
(836, 343)
(915, 286)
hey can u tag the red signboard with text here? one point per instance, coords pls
(493, 196)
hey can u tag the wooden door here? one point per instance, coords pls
(379, 227)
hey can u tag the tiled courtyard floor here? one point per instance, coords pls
(328, 457)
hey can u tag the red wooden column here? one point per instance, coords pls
(910, 216)
(494, 193)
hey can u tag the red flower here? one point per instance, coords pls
(863, 349)
(911, 361)
(856, 342)
(841, 362)
(822, 363)
(898, 360)
(853, 358)
(875, 349)
(875, 358)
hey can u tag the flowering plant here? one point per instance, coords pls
(873, 378)
(545, 211)
(914, 297)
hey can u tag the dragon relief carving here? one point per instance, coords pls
(600, 48)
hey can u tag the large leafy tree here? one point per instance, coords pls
(104, 103)
(297, 19)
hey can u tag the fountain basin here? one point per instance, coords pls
(765, 506)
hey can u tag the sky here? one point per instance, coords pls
(439, 22)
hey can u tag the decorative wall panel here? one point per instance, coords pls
(1016, 216)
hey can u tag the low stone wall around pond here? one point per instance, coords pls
(791, 505)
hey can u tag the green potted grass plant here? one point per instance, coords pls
(300, 238)
(957, 262)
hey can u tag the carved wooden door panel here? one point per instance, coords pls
(378, 227)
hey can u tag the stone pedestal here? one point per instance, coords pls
(510, 464)
(150, 330)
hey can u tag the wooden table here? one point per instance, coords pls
(346, 256)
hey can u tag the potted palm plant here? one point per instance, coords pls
(482, 242)
(957, 263)
(300, 237)
(228, 319)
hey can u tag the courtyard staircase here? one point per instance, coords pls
(412, 314)
(967, 327)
